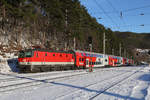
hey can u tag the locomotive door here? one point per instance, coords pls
(87, 62)
(43, 58)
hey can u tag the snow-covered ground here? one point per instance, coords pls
(120, 83)
(8, 64)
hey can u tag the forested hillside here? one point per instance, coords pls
(134, 40)
(52, 24)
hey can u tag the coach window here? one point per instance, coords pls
(90, 63)
(79, 59)
(82, 59)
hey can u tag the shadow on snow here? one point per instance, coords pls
(13, 64)
(73, 86)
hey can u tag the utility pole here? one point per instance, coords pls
(66, 25)
(120, 49)
(66, 18)
(124, 52)
(112, 51)
(74, 39)
(104, 43)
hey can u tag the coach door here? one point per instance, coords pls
(87, 62)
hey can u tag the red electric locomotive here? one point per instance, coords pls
(33, 60)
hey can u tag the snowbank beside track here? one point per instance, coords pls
(8, 65)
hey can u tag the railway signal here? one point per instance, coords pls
(90, 46)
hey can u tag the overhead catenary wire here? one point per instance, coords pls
(133, 15)
(126, 10)
(105, 13)
(140, 25)
(132, 9)
(116, 11)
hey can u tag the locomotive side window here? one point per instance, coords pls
(45, 54)
(53, 54)
(28, 54)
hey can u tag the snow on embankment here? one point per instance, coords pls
(8, 64)
(148, 94)
(142, 90)
(4, 68)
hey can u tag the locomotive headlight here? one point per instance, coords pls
(24, 60)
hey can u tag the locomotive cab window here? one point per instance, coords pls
(23, 54)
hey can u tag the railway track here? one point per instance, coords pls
(112, 85)
(31, 81)
(11, 77)
(35, 82)
(126, 74)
